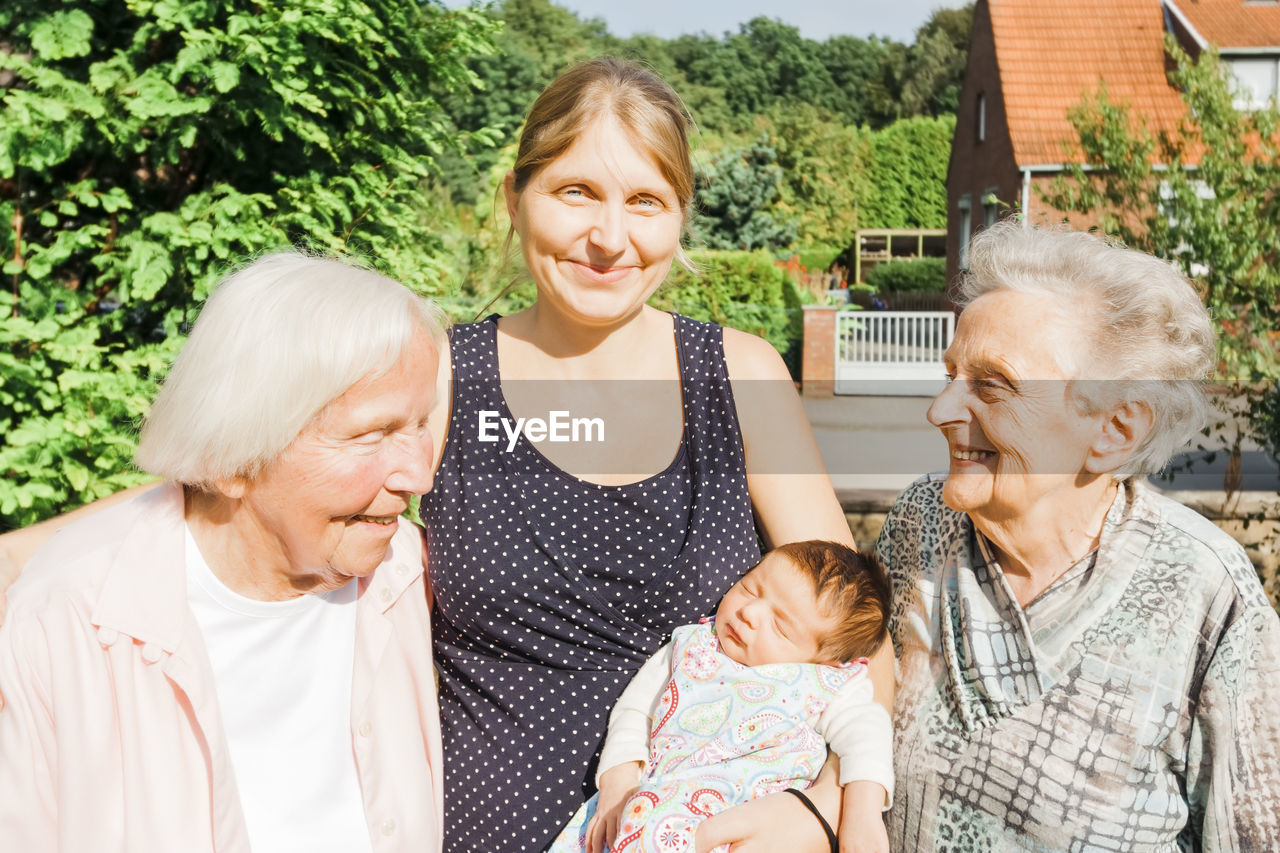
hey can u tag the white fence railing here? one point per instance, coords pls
(892, 352)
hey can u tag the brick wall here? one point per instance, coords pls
(818, 364)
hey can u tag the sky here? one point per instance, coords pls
(816, 19)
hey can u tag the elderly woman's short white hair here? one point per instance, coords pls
(1146, 337)
(275, 343)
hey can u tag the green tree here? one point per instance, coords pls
(145, 145)
(826, 171)
(742, 290)
(933, 73)
(1203, 194)
(909, 173)
(536, 40)
(864, 75)
(737, 201)
(1206, 196)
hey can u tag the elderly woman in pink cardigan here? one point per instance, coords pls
(241, 657)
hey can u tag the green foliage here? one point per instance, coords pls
(827, 172)
(866, 75)
(737, 201)
(838, 178)
(741, 290)
(909, 173)
(1202, 195)
(818, 256)
(924, 275)
(933, 73)
(725, 80)
(536, 41)
(145, 145)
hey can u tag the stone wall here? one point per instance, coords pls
(1251, 518)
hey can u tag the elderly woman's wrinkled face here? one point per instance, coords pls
(1014, 436)
(599, 226)
(327, 508)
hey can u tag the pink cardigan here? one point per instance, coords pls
(111, 737)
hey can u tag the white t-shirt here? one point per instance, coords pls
(283, 675)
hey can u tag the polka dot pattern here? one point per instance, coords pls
(552, 591)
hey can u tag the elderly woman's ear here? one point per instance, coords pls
(230, 487)
(1122, 432)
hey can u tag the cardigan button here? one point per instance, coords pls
(384, 595)
(366, 729)
(388, 827)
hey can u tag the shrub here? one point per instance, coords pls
(817, 256)
(741, 290)
(916, 274)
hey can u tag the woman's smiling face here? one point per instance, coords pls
(326, 509)
(1013, 432)
(599, 226)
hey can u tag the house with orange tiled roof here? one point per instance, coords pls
(1032, 61)
(1247, 35)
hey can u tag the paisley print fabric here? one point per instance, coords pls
(1134, 705)
(723, 734)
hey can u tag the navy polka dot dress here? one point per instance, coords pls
(552, 591)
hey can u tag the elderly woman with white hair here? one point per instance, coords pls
(241, 657)
(1084, 664)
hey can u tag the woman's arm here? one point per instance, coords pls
(791, 493)
(443, 409)
(793, 500)
(790, 490)
(1233, 757)
(776, 822)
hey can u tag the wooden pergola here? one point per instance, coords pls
(875, 245)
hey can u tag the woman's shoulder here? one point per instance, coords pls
(918, 524)
(70, 568)
(461, 332)
(1182, 538)
(921, 502)
(751, 357)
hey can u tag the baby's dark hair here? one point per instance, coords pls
(850, 586)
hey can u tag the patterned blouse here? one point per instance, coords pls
(1133, 705)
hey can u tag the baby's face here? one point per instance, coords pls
(771, 615)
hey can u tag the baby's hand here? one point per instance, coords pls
(861, 821)
(617, 784)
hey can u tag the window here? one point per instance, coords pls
(982, 117)
(966, 229)
(990, 208)
(1256, 80)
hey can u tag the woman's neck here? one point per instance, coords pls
(234, 551)
(553, 346)
(1038, 546)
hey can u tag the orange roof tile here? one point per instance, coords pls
(1233, 23)
(1051, 55)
